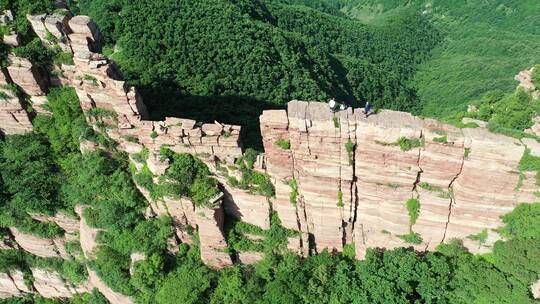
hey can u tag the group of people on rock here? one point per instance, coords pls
(336, 107)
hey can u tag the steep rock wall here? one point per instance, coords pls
(353, 179)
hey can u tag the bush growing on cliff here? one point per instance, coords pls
(253, 180)
(350, 146)
(536, 76)
(481, 237)
(30, 174)
(283, 144)
(65, 127)
(412, 238)
(413, 208)
(407, 144)
(522, 223)
(529, 162)
(293, 196)
(36, 52)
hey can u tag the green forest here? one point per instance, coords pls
(60, 177)
(228, 60)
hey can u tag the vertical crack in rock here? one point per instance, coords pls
(451, 194)
(420, 171)
(354, 187)
(300, 208)
(14, 118)
(340, 190)
(13, 281)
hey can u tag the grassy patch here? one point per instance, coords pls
(349, 146)
(283, 144)
(293, 196)
(253, 181)
(336, 122)
(432, 188)
(441, 139)
(404, 143)
(466, 153)
(413, 208)
(340, 199)
(480, 237)
(530, 163)
(412, 238)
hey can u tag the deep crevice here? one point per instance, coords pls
(299, 202)
(420, 171)
(452, 198)
(354, 186)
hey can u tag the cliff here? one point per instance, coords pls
(387, 180)
(353, 176)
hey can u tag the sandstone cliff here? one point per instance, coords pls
(351, 177)
(340, 178)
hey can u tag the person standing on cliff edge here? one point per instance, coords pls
(336, 106)
(367, 109)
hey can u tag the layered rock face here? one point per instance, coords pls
(12, 284)
(352, 176)
(13, 117)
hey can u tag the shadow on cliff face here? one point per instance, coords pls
(168, 101)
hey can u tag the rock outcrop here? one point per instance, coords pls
(47, 248)
(88, 245)
(13, 117)
(346, 177)
(12, 284)
(49, 284)
(526, 82)
(213, 244)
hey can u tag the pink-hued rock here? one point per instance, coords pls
(87, 234)
(111, 295)
(26, 76)
(526, 82)
(37, 24)
(360, 196)
(249, 208)
(250, 257)
(49, 284)
(57, 24)
(84, 25)
(213, 244)
(535, 288)
(35, 245)
(485, 189)
(11, 39)
(12, 284)
(157, 165)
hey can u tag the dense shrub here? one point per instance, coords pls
(523, 222)
(413, 208)
(65, 127)
(29, 173)
(36, 52)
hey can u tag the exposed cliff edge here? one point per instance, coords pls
(387, 180)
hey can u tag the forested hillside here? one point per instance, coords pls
(227, 60)
(429, 57)
(485, 44)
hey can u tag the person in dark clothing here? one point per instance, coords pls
(367, 109)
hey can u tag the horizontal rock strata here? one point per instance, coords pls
(353, 177)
